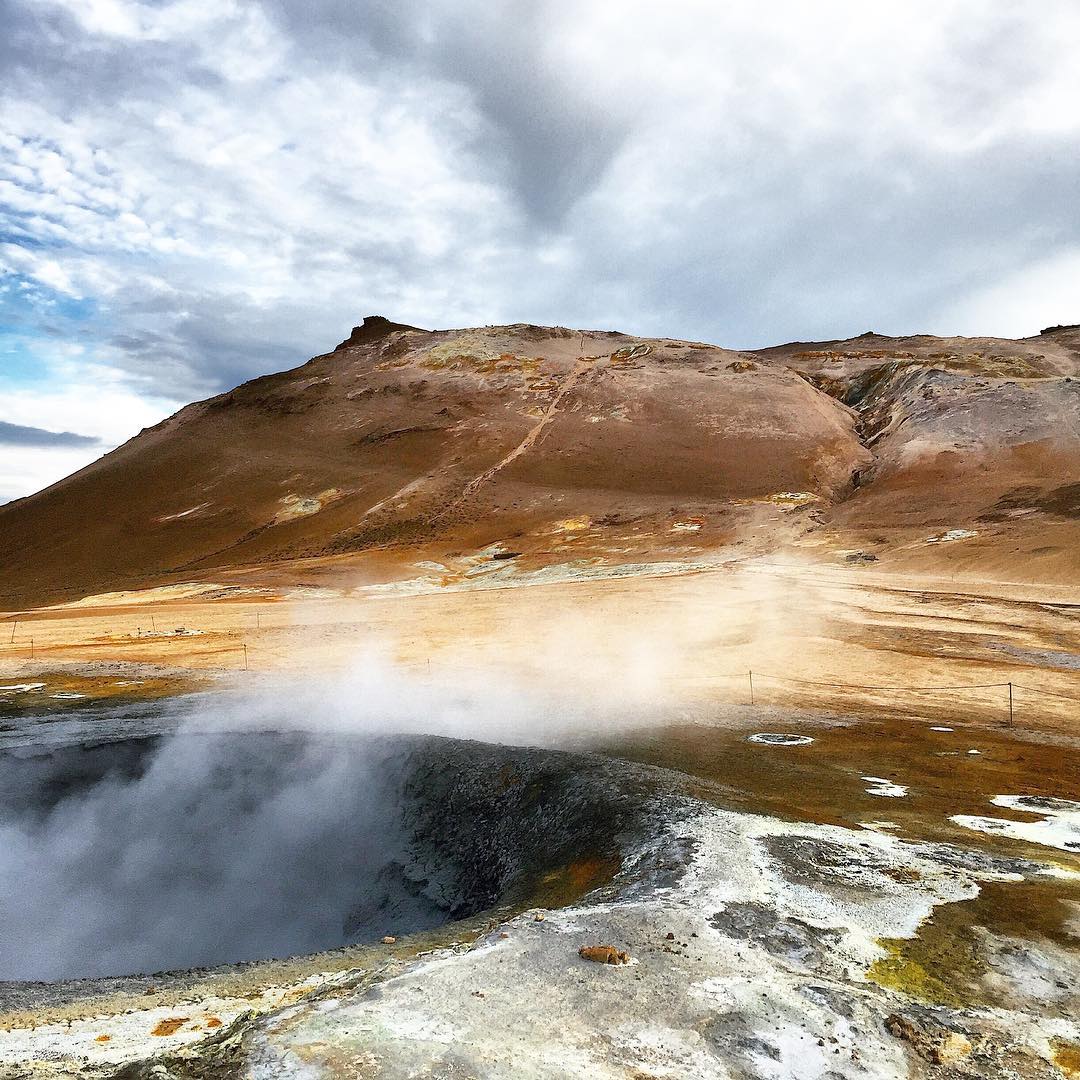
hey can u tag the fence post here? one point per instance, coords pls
(751, 674)
(1010, 705)
(245, 658)
(31, 648)
(12, 641)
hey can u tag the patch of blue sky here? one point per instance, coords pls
(79, 311)
(21, 363)
(12, 232)
(31, 331)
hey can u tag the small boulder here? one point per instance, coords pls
(603, 954)
(936, 1044)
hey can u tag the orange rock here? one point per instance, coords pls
(603, 954)
(170, 1025)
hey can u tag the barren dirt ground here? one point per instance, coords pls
(832, 587)
(693, 636)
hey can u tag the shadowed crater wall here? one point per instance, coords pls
(151, 854)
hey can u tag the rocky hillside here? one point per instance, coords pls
(554, 445)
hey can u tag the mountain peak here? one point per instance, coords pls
(372, 328)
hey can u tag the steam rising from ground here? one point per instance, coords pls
(211, 849)
(247, 825)
(539, 662)
(226, 842)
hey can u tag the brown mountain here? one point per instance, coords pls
(556, 445)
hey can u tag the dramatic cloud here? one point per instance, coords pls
(19, 435)
(193, 193)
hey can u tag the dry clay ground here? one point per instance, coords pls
(813, 634)
(883, 511)
(936, 456)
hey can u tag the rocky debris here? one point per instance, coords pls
(389, 939)
(604, 954)
(860, 557)
(739, 366)
(687, 1016)
(930, 1041)
(952, 535)
(833, 867)
(218, 1055)
(688, 524)
(793, 939)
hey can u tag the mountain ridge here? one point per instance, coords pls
(581, 445)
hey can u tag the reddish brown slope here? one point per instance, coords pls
(980, 435)
(455, 437)
(411, 441)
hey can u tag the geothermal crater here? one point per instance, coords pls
(179, 851)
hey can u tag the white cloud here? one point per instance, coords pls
(1043, 293)
(96, 406)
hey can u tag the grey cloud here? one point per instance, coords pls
(201, 355)
(558, 141)
(546, 138)
(44, 52)
(19, 435)
(845, 245)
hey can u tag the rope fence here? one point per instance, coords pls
(1010, 687)
(750, 676)
(1045, 693)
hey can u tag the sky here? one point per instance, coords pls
(195, 192)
